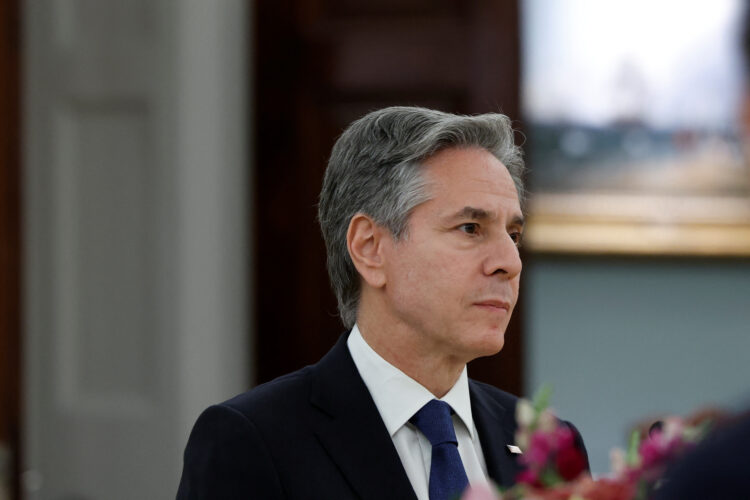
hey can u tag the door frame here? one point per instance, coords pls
(10, 237)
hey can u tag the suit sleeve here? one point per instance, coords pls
(226, 458)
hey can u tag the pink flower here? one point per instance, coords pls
(547, 421)
(619, 461)
(605, 489)
(540, 447)
(564, 438)
(530, 477)
(651, 450)
(481, 491)
(659, 447)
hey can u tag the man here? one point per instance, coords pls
(421, 215)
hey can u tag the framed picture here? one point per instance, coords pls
(633, 112)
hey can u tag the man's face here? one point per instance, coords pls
(452, 281)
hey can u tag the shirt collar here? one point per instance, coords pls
(396, 395)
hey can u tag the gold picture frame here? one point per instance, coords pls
(635, 143)
(638, 224)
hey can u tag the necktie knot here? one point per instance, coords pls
(435, 422)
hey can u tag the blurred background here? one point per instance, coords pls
(161, 161)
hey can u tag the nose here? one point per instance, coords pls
(503, 258)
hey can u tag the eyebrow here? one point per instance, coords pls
(482, 214)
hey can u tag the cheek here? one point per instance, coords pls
(427, 282)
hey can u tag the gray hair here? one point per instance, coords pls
(375, 169)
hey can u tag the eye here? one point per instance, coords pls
(517, 237)
(469, 228)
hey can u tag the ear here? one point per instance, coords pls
(364, 241)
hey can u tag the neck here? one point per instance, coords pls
(401, 347)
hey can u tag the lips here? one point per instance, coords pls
(494, 304)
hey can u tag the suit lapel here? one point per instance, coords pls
(349, 427)
(496, 426)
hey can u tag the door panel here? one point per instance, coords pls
(135, 183)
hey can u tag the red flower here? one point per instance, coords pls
(542, 444)
(564, 437)
(570, 463)
(606, 489)
(530, 477)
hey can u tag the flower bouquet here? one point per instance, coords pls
(555, 468)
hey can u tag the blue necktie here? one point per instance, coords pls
(447, 475)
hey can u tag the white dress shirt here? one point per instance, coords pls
(398, 397)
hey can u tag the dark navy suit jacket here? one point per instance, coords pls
(316, 433)
(717, 469)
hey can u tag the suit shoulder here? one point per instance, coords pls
(506, 399)
(227, 457)
(278, 394)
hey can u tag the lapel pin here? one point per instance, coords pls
(514, 449)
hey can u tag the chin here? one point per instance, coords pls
(490, 344)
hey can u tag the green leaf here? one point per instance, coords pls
(632, 457)
(642, 490)
(698, 432)
(542, 398)
(549, 477)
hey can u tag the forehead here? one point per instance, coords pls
(470, 177)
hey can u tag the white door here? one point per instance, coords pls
(136, 254)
